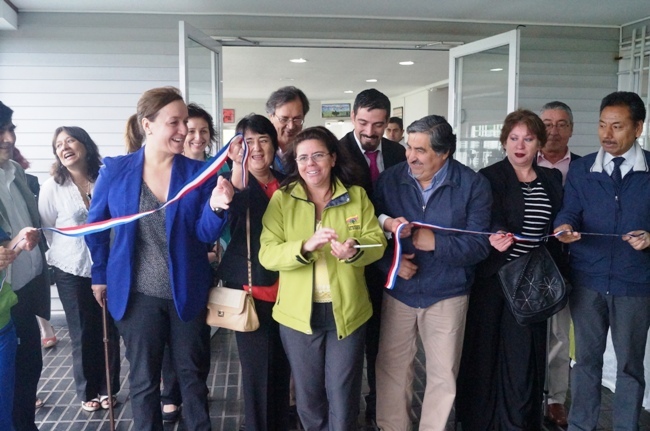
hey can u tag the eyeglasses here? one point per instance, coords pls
(316, 157)
(560, 126)
(286, 120)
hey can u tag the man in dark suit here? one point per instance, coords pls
(558, 119)
(373, 154)
(29, 278)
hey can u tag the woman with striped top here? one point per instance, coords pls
(501, 377)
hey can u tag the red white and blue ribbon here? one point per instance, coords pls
(397, 256)
(209, 170)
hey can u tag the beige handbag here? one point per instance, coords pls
(234, 308)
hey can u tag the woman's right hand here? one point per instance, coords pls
(318, 240)
(99, 292)
(222, 194)
(501, 240)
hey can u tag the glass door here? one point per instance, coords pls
(483, 82)
(200, 72)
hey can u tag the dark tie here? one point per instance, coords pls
(617, 177)
(374, 169)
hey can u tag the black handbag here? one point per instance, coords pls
(533, 286)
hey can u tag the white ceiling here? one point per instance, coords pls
(254, 72)
(574, 12)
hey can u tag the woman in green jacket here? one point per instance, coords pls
(320, 232)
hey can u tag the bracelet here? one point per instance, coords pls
(218, 211)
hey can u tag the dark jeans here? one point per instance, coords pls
(327, 372)
(265, 374)
(171, 389)
(29, 359)
(84, 318)
(8, 346)
(629, 319)
(148, 324)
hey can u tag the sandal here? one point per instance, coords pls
(92, 405)
(103, 400)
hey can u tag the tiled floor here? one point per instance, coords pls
(62, 409)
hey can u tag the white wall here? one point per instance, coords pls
(89, 70)
(575, 66)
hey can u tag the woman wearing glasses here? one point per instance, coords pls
(312, 229)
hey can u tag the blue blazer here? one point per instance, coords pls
(190, 224)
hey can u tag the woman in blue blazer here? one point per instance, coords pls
(154, 272)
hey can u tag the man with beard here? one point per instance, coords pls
(373, 154)
(29, 280)
(287, 109)
(558, 119)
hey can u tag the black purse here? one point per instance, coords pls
(533, 286)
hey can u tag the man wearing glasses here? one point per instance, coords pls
(558, 119)
(287, 109)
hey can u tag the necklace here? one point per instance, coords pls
(87, 192)
(528, 185)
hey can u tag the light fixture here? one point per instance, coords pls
(496, 69)
(348, 91)
(298, 60)
(371, 80)
(406, 63)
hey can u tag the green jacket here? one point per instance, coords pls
(289, 221)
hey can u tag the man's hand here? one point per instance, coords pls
(501, 240)
(407, 269)
(638, 239)
(424, 239)
(568, 236)
(391, 225)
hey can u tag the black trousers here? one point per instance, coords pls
(501, 376)
(148, 324)
(29, 359)
(84, 318)
(375, 281)
(265, 374)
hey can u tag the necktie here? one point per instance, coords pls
(617, 177)
(374, 169)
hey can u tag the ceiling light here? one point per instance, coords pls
(298, 60)
(348, 91)
(496, 69)
(371, 80)
(406, 63)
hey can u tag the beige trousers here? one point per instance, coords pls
(441, 327)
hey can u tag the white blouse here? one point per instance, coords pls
(63, 206)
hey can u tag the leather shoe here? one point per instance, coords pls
(173, 416)
(557, 414)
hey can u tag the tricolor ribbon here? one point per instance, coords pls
(397, 255)
(209, 170)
